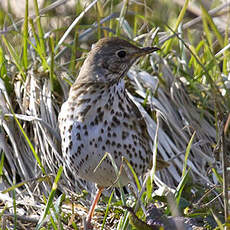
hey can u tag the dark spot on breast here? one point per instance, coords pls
(92, 91)
(70, 127)
(85, 110)
(99, 98)
(134, 136)
(113, 125)
(96, 121)
(126, 115)
(99, 139)
(120, 106)
(115, 119)
(118, 114)
(102, 130)
(70, 144)
(100, 116)
(124, 135)
(107, 142)
(106, 106)
(78, 136)
(84, 100)
(129, 154)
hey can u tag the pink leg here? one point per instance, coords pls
(93, 206)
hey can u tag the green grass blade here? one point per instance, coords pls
(133, 173)
(207, 31)
(107, 209)
(2, 164)
(181, 186)
(3, 70)
(40, 30)
(18, 185)
(122, 16)
(187, 154)
(118, 181)
(25, 37)
(72, 65)
(226, 53)
(75, 22)
(168, 44)
(220, 225)
(30, 144)
(218, 176)
(50, 199)
(37, 46)
(14, 55)
(51, 72)
(213, 26)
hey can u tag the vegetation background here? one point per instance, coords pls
(183, 92)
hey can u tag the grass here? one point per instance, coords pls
(183, 92)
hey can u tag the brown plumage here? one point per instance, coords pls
(99, 117)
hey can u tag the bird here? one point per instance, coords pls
(99, 117)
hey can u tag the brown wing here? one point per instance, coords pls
(146, 138)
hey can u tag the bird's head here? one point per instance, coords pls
(110, 59)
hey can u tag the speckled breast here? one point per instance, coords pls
(96, 122)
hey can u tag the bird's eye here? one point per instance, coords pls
(121, 54)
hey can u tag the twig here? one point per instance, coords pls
(22, 218)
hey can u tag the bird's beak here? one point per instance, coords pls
(146, 50)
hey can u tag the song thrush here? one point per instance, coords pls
(99, 117)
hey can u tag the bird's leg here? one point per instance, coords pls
(92, 208)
